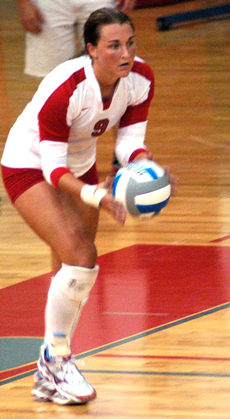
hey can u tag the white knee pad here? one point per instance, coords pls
(75, 282)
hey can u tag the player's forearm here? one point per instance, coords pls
(69, 184)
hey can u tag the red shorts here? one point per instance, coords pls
(17, 181)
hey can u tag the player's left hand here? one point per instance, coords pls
(173, 180)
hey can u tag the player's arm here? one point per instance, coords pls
(97, 196)
(58, 175)
(30, 16)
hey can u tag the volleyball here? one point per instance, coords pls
(143, 187)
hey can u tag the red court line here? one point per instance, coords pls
(195, 358)
(17, 371)
(221, 239)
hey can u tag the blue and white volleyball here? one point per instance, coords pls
(143, 187)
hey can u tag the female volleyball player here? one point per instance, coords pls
(49, 171)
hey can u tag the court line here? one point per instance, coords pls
(208, 143)
(131, 313)
(6, 374)
(139, 336)
(154, 330)
(181, 358)
(165, 373)
(126, 372)
(221, 239)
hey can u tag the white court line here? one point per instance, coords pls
(208, 143)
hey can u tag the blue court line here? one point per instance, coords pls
(16, 377)
(154, 330)
(139, 336)
(172, 374)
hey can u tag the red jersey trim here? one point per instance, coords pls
(57, 174)
(91, 176)
(136, 152)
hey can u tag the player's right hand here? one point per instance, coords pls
(114, 207)
(111, 205)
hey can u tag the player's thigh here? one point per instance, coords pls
(77, 213)
(89, 217)
(63, 224)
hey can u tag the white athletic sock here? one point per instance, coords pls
(68, 293)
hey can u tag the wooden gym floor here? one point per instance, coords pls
(154, 336)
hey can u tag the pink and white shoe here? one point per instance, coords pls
(45, 391)
(65, 377)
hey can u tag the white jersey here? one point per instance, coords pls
(60, 126)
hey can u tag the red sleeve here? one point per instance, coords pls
(139, 113)
(52, 117)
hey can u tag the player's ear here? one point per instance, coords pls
(92, 50)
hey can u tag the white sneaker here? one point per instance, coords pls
(45, 391)
(66, 378)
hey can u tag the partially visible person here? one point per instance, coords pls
(49, 171)
(54, 29)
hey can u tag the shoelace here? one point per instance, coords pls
(68, 369)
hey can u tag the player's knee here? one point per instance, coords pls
(75, 282)
(80, 251)
(86, 254)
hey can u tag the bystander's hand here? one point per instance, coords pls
(30, 16)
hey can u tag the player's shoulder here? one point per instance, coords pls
(142, 68)
(66, 75)
(70, 67)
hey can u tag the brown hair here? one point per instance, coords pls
(99, 18)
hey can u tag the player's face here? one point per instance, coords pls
(114, 54)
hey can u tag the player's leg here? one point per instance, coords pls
(84, 276)
(62, 228)
(89, 221)
(69, 228)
